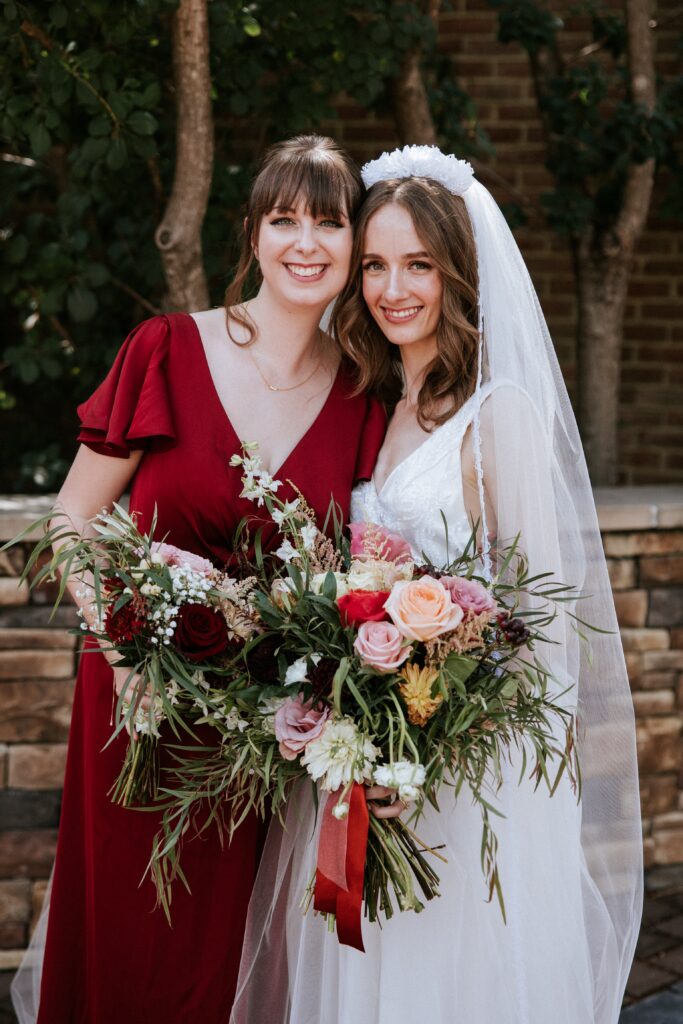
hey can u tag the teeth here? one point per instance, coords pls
(401, 314)
(306, 271)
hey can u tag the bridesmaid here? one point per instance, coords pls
(183, 392)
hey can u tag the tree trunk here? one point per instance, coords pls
(413, 118)
(602, 273)
(602, 283)
(179, 235)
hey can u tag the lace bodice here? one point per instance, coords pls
(425, 484)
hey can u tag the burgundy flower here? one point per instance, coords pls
(201, 632)
(123, 625)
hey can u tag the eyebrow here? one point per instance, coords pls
(406, 256)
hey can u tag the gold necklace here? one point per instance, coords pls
(292, 387)
(276, 387)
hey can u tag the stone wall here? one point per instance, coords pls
(643, 536)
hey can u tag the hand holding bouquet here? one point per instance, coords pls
(388, 672)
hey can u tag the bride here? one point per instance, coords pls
(441, 318)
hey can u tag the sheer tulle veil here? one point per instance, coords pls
(532, 471)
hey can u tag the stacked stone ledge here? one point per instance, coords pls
(643, 538)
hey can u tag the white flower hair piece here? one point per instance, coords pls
(420, 162)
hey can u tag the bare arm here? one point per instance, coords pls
(94, 482)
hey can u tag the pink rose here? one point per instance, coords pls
(296, 724)
(171, 555)
(422, 609)
(372, 541)
(472, 596)
(380, 645)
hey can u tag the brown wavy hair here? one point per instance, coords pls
(310, 166)
(443, 226)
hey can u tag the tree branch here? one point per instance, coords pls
(178, 236)
(641, 61)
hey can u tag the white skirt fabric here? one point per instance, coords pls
(456, 961)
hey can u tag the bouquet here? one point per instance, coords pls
(171, 618)
(368, 668)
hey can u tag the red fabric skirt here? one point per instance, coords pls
(111, 957)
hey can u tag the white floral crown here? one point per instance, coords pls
(420, 162)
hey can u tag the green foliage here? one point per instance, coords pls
(87, 145)
(594, 130)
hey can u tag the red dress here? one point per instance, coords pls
(110, 957)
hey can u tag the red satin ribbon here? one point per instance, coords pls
(330, 897)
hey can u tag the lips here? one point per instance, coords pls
(306, 271)
(401, 316)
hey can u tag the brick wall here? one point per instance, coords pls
(643, 537)
(497, 77)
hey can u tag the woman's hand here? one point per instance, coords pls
(130, 688)
(384, 810)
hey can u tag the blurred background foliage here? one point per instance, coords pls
(87, 134)
(87, 155)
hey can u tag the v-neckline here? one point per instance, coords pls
(435, 432)
(224, 412)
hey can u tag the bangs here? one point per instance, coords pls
(319, 181)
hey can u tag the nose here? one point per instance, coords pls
(306, 242)
(395, 289)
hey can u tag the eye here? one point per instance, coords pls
(330, 222)
(420, 265)
(278, 221)
(373, 265)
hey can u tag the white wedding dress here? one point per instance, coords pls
(456, 961)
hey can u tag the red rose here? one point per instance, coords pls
(122, 626)
(201, 632)
(362, 606)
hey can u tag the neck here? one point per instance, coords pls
(288, 336)
(415, 359)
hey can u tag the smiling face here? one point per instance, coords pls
(304, 258)
(402, 288)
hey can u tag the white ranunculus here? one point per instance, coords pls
(319, 578)
(340, 755)
(404, 776)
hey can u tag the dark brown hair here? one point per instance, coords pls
(443, 226)
(312, 167)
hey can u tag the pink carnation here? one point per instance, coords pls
(372, 541)
(380, 645)
(176, 556)
(472, 597)
(296, 724)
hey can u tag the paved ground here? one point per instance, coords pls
(654, 994)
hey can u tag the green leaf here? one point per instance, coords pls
(117, 154)
(142, 122)
(81, 303)
(40, 140)
(251, 26)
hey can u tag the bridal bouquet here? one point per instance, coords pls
(368, 668)
(171, 618)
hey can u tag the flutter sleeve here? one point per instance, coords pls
(374, 429)
(131, 409)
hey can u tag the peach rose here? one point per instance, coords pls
(171, 555)
(422, 609)
(380, 645)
